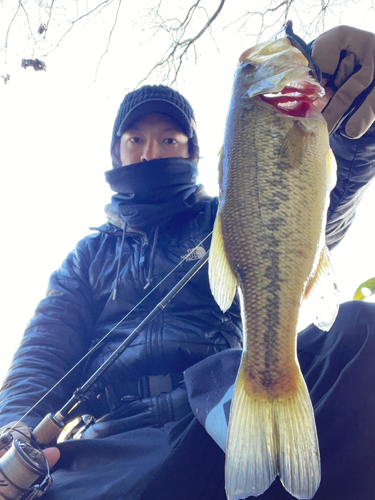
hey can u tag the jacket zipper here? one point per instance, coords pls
(142, 259)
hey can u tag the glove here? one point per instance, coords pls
(346, 57)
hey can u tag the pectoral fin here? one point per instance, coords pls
(322, 293)
(294, 147)
(222, 281)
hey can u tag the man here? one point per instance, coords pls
(146, 442)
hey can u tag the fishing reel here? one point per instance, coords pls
(24, 470)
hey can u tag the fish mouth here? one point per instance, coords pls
(294, 100)
(278, 74)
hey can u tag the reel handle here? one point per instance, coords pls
(5, 440)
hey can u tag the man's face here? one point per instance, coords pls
(152, 137)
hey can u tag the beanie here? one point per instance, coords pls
(154, 99)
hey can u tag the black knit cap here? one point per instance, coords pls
(154, 99)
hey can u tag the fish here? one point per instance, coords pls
(276, 171)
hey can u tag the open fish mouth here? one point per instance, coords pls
(279, 74)
(294, 100)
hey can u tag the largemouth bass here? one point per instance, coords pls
(276, 172)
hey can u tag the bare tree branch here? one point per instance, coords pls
(83, 16)
(49, 18)
(28, 23)
(8, 30)
(249, 14)
(109, 38)
(174, 58)
(181, 31)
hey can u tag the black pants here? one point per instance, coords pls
(180, 461)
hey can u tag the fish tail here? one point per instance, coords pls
(268, 438)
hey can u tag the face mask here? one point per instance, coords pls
(151, 193)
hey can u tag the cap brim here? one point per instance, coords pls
(156, 106)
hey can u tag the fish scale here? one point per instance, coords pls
(257, 239)
(268, 243)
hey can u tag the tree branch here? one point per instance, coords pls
(179, 48)
(109, 38)
(83, 16)
(182, 31)
(8, 30)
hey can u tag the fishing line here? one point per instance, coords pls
(112, 329)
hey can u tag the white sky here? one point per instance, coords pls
(55, 132)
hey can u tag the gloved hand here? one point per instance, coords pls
(346, 57)
(19, 430)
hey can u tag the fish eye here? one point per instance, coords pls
(248, 66)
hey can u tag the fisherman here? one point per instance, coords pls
(148, 441)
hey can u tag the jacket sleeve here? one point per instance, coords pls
(355, 169)
(55, 339)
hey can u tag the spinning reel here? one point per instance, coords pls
(24, 470)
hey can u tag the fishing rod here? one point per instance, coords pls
(25, 464)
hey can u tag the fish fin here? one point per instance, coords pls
(299, 446)
(331, 169)
(294, 146)
(267, 438)
(322, 293)
(222, 280)
(221, 153)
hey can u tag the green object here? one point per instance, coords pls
(370, 285)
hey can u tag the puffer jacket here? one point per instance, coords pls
(79, 309)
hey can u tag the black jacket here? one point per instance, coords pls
(79, 308)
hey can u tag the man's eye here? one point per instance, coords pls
(170, 141)
(135, 139)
